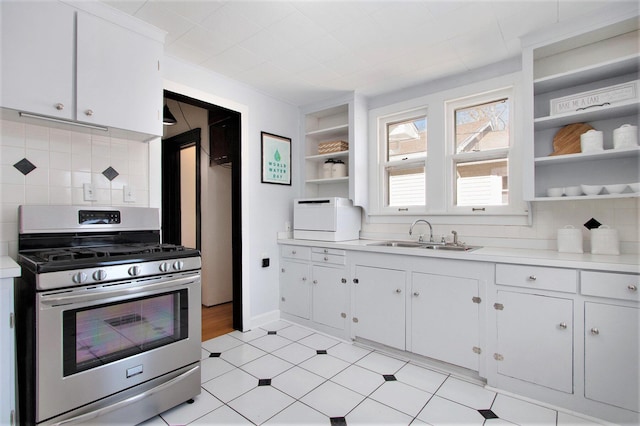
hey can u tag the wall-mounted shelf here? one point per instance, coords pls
(586, 156)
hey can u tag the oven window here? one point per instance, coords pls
(98, 335)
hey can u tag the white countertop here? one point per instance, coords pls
(620, 263)
(9, 268)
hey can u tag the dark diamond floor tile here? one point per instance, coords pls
(389, 377)
(264, 382)
(338, 421)
(321, 352)
(272, 333)
(488, 414)
(215, 354)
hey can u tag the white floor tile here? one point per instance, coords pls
(231, 385)
(380, 363)
(319, 341)
(370, 412)
(347, 352)
(248, 336)
(498, 422)
(210, 368)
(294, 332)
(332, 399)
(270, 342)
(295, 353)
(359, 379)
(324, 365)
(440, 411)
(222, 416)
(266, 367)
(186, 413)
(261, 403)
(204, 353)
(522, 412)
(298, 414)
(402, 397)
(153, 421)
(297, 382)
(276, 325)
(422, 378)
(221, 343)
(566, 419)
(242, 354)
(466, 393)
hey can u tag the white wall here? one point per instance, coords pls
(265, 208)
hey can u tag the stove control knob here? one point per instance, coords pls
(178, 265)
(99, 275)
(134, 270)
(79, 277)
(164, 267)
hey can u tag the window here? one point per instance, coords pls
(405, 153)
(481, 144)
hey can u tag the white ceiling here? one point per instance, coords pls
(306, 51)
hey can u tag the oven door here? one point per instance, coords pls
(96, 341)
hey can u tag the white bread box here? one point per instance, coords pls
(326, 219)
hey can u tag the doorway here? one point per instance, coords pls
(214, 135)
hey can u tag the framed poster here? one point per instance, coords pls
(276, 159)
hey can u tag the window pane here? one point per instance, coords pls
(406, 187)
(407, 139)
(482, 127)
(482, 183)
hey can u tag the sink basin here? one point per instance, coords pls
(429, 246)
(398, 244)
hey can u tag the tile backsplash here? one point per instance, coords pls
(64, 161)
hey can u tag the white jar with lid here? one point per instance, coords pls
(326, 169)
(339, 169)
(605, 240)
(569, 240)
(625, 136)
(591, 141)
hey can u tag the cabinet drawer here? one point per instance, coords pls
(609, 284)
(537, 277)
(328, 258)
(323, 250)
(296, 252)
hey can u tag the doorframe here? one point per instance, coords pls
(171, 212)
(242, 262)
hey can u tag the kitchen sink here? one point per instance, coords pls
(428, 246)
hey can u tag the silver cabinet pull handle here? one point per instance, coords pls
(531, 278)
(398, 290)
(304, 278)
(326, 258)
(563, 325)
(293, 252)
(632, 287)
(595, 331)
(416, 294)
(59, 106)
(88, 112)
(315, 281)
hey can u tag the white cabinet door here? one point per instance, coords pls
(611, 354)
(329, 296)
(535, 339)
(379, 305)
(38, 44)
(118, 77)
(444, 319)
(7, 354)
(295, 289)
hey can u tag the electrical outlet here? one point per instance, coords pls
(129, 194)
(89, 192)
(265, 262)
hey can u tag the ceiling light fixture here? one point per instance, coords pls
(167, 118)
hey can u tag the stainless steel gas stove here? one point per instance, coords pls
(107, 318)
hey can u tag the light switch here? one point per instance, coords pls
(89, 192)
(129, 194)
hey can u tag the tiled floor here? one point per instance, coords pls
(284, 374)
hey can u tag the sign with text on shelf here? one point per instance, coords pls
(595, 98)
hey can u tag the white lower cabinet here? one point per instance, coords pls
(330, 296)
(295, 289)
(611, 350)
(445, 316)
(379, 305)
(535, 339)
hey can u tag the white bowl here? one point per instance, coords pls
(555, 192)
(591, 189)
(572, 191)
(635, 187)
(615, 188)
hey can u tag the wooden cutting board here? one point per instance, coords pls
(567, 140)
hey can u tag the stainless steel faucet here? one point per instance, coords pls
(430, 230)
(455, 238)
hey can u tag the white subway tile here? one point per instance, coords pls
(38, 177)
(60, 178)
(60, 160)
(12, 194)
(37, 137)
(11, 154)
(12, 133)
(36, 194)
(60, 140)
(60, 195)
(11, 175)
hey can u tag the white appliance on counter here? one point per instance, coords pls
(326, 219)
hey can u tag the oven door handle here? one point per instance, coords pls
(101, 294)
(83, 418)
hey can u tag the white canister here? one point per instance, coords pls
(339, 169)
(569, 240)
(625, 136)
(325, 169)
(591, 141)
(605, 240)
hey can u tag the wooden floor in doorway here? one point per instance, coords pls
(217, 320)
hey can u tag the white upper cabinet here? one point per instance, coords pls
(336, 132)
(64, 63)
(38, 44)
(581, 63)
